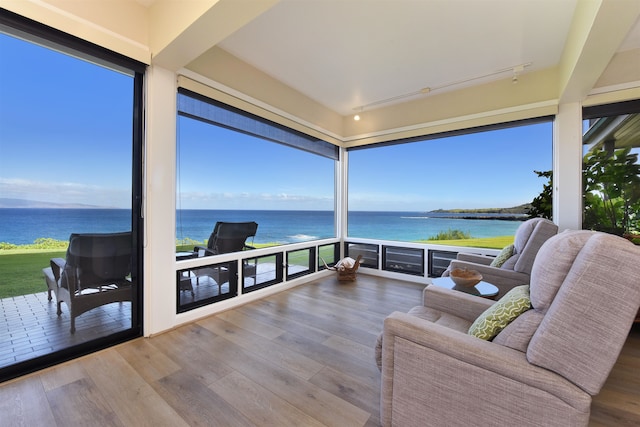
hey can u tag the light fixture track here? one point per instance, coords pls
(516, 70)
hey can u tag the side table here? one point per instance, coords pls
(481, 289)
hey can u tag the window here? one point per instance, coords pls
(207, 284)
(300, 262)
(403, 260)
(611, 172)
(328, 255)
(460, 186)
(369, 253)
(236, 167)
(70, 150)
(233, 166)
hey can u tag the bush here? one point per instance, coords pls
(451, 235)
(49, 243)
(40, 243)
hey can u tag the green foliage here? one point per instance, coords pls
(451, 234)
(611, 191)
(541, 205)
(190, 242)
(521, 209)
(611, 183)
(40, 243)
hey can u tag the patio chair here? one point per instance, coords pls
(95, 272)
(226, 237)
(533, 358)
(515, 264)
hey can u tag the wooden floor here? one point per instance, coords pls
(303, 357)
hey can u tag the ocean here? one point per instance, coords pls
(23, 226)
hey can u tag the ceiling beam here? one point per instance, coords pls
(180, 32)
(598, 29)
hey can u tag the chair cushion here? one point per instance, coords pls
(528, 240)
(499, 315)
(552, 267)
(502, 257)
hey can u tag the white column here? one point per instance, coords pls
(160, 206)
(342, 197)
(567, 167)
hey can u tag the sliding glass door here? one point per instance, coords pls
(70, 144)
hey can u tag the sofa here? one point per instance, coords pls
(540, 369)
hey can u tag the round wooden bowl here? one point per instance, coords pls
(464, 277)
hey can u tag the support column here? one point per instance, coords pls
(342, 199)
(159, 206)
(567, 178)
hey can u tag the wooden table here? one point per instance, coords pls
(481, 289)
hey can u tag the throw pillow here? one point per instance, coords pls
(499, 315)
(502, 257)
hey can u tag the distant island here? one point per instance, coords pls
(6, 203)
(516, 213)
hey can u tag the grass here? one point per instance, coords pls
(21, 270)
(487, 242)
(21, 267)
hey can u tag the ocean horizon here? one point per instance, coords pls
(25, 225)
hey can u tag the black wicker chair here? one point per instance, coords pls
(96, 272)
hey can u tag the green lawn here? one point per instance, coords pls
(21, 269)
(489, 242)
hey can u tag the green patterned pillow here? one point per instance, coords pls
(502, 257)
(499, 315)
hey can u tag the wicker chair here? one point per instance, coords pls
(96, 272)
(226, 237)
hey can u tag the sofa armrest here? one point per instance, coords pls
(475, 258)
(429, 370)
(458, 303)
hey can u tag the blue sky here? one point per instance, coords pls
(219, 167)
(480, 170)
(65, 128)
(65, 137)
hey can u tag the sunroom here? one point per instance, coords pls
(416, 74)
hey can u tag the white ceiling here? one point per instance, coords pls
(346, 54)
(357, 52)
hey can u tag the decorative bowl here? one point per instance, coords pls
(464, 277)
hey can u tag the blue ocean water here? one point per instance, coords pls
(23, 226)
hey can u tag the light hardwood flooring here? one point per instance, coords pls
(303, 357)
